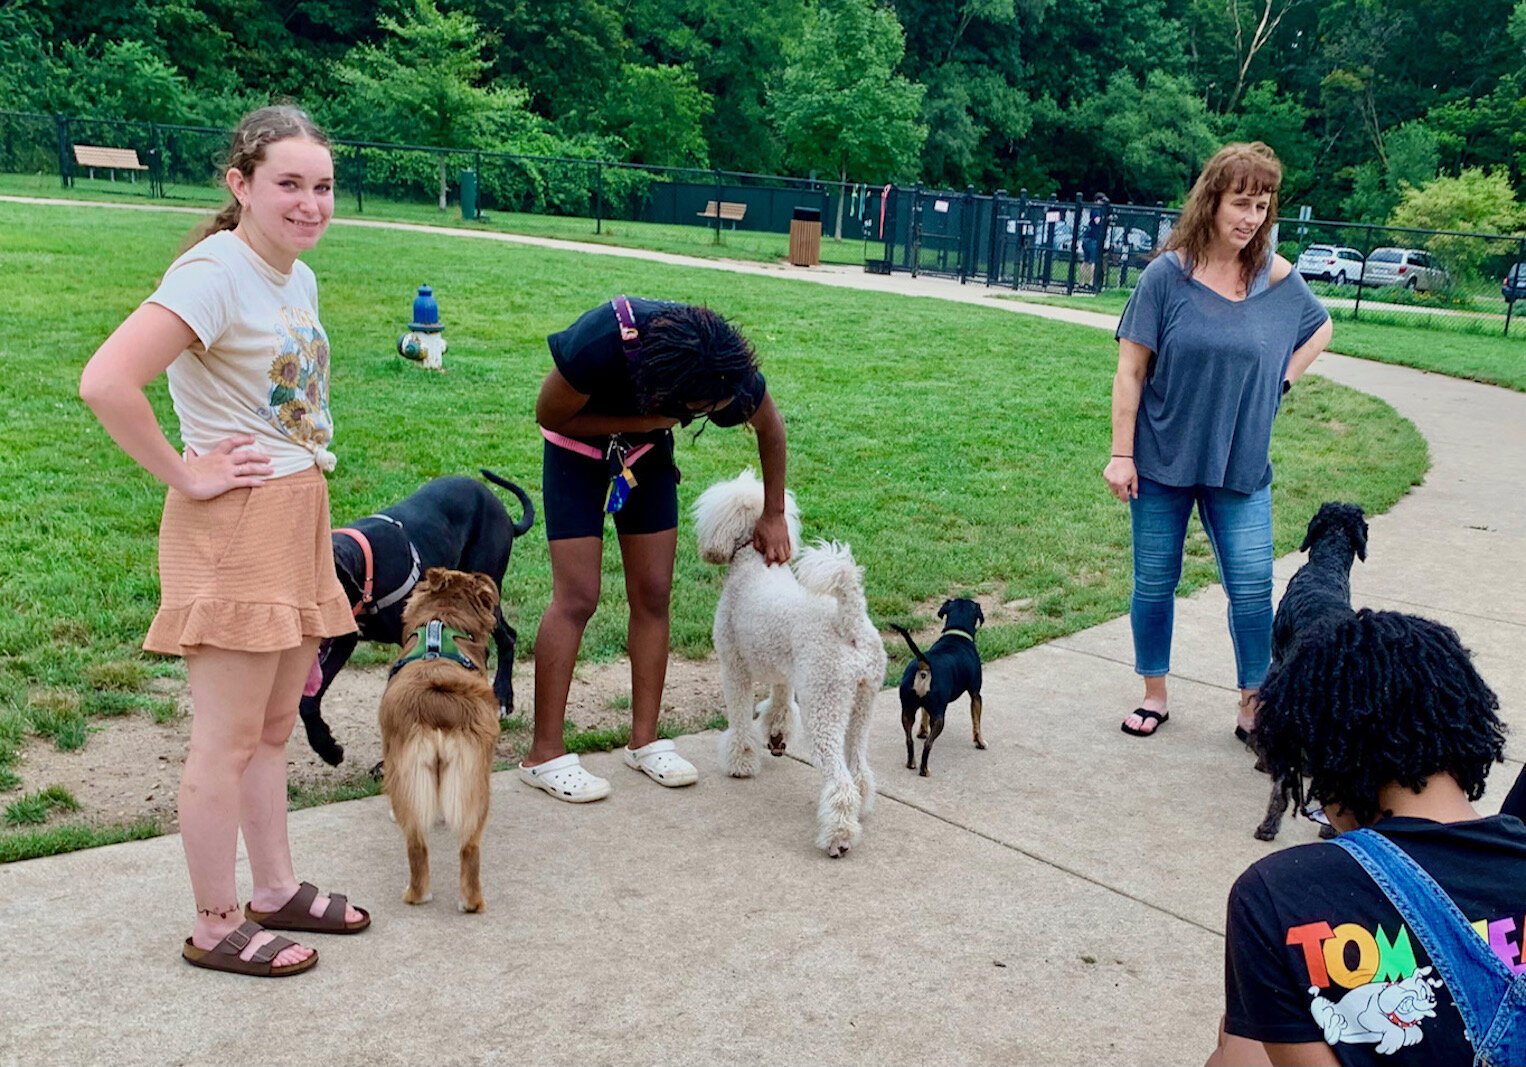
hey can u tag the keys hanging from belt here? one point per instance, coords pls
(621, 478)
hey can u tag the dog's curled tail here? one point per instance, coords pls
(827, 568)
(924, 678)
(527, 520)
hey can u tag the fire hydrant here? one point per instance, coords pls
(424, 342)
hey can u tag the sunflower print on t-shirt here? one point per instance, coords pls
(298, 400)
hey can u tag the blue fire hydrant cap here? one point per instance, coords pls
(426, 312)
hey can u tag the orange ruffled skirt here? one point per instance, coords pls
(251, 570)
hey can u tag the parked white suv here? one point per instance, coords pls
(1413, 268)
(1330, 263)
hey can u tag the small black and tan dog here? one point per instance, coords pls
(1317, 599)
(452, 522)
(936, 678)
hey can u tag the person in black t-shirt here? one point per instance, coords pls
(625, 374)
(1515, 800)
(1394, 730)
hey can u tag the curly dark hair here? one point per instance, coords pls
(690, 355)
(1382, 697)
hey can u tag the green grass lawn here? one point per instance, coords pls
(696, 240)
(1459, 347)
(958, 449)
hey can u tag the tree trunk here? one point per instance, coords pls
(442, 183)
(1265, 28)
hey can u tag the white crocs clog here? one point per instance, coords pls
(565, 779)
(661, 762)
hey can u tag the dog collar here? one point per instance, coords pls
(435, 641)
(957, 633)
(368, 605)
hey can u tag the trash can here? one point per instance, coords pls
(805, 237)
(469, 195)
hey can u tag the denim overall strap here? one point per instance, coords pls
(1488, 996)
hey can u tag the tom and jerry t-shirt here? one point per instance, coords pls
(1315, 951)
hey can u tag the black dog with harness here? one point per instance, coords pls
(452, 522)
(935, 679)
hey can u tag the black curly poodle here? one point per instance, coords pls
(1382, 698)
(1317, 597)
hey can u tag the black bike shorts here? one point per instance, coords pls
(574, 488)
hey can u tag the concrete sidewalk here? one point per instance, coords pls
(1056, 899)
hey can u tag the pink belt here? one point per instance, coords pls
(584, 449)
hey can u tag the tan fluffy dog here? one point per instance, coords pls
(439, 722)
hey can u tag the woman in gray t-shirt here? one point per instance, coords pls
(1216, 331)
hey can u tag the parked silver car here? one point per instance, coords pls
(1330, 263)
(1413, 268)
(1513, 284)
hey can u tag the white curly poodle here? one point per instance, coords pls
(808, 639)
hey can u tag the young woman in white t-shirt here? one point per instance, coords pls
(246, 572)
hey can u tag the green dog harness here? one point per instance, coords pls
(435, 641)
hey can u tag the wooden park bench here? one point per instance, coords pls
(732, 213)
(114, 159)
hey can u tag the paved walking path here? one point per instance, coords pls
(1056, 899)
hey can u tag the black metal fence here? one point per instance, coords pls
(186, 163)
(1463, 282)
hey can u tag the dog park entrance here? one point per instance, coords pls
(1022, 242)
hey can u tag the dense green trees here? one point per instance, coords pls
(1367, 101)
(839, 105)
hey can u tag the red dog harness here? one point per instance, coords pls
(366, 605)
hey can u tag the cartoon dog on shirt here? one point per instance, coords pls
(1387, 1014)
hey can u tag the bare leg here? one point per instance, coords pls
(648, 560)
(575, 565)
(262, 793)
(229, 693)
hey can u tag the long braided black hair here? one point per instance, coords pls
(1382, 697)
(690, 355)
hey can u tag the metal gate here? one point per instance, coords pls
(942, 224)
(1022, 242)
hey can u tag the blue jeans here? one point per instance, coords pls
(1490, 997)
(1239, 527)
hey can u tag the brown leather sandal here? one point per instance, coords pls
(296, 914)
(224, 956)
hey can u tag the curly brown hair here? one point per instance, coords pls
(1236, 168)
(256, 132)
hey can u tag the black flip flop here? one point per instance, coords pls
(1161, 718)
